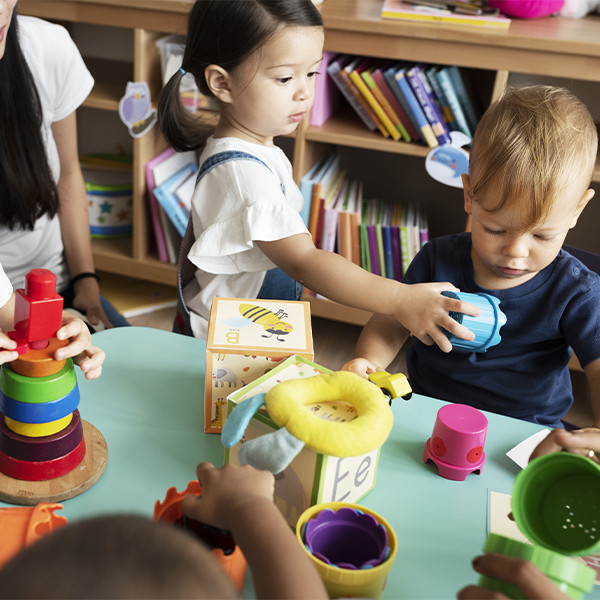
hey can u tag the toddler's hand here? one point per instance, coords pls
(522, 573)
(80, 347)
(230, 494)
(424, 312)
(7, 348)
(360, 366)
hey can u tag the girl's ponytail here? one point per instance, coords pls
(183, 129)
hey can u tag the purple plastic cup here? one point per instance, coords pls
(347, 538)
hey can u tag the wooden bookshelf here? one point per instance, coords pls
(550, 47)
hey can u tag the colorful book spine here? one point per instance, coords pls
(327, 96)
(377, 92)
(417, 82)
(424, 126)
(443, 76)
(382, 82)
(389, 75)
(447, 114)
(463, 96)
(364, 90)
(334, 70)
(165, 194)
(345, 73)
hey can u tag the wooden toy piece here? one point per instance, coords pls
(37, 429)
(39, 412)
(22, 526)
(42, 470)
(41, 448)
(66, 486)
(41, 362)
(38, 389)
(38, 309)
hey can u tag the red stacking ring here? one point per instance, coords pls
(41, 471)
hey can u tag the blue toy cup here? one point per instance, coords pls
(486, 326)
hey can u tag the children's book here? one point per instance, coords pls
(378, 230)
(158, 170)
(327, 95)
(397, 9)
(336, 193)
(344, 236)
(389, 110)
(444, 105)
(463, 96)
(396, 251)
(345, 73)
(414, 129)
(372, 248)
(420, 87)
(365, 257)
(443, 76)
(165, 194)
(306, 187)
(334, 70)
(386, 235)
(349, 223)
(321, 189)
(380, 80)
(356, 77)
(159, 235)
(415, 105)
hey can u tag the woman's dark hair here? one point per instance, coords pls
(224, 33)
(27, 188)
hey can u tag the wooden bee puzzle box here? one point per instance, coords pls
(246, 339)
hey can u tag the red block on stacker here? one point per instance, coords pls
(38, 308)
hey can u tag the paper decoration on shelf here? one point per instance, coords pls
(446, 163)
(135, 108)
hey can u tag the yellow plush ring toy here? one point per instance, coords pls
(297, 406)
(289, 402)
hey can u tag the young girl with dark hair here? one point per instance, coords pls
(246, 238)
(44, 219)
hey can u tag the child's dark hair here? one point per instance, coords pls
(224, 33)
(27, 188)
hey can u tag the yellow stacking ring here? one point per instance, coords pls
(38, 429)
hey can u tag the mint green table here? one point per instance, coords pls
(148, 404)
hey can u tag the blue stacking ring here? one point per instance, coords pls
(39, 412)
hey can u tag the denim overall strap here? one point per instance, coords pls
(185, 268)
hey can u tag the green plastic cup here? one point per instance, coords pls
(556, 503)
(572, 577)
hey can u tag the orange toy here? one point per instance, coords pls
(24, 525)
(169, 510)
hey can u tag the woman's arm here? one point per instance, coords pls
(74, 221)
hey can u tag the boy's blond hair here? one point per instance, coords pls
(529, 145)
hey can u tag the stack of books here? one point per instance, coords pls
(170, 182)
(379, 235)
(407, 102)
(470, 13)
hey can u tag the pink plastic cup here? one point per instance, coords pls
(456, 444)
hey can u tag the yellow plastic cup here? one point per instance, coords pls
(339, 582)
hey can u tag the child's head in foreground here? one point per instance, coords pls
(227, 41)
(532, 159)
(122, 556)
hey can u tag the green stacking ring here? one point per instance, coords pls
(38, 389)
